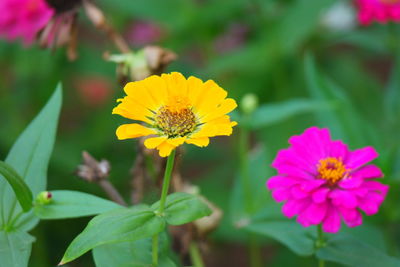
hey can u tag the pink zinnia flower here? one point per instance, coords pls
(23, 18)
(322, 181)
(381, 11)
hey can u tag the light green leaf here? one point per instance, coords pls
(133, 254)
(291, 234)
(181, 208)
(121, 225)
(21, 190)
(30, 156)
(269, 114)
(352, 252)
(15, 248)
(72, 204)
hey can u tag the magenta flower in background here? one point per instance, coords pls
(322, 181)
(144, 32)
(23, 18)
(381, 11)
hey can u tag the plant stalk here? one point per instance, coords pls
(320, 243)
(164, 193)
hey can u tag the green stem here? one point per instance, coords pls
(320, 243)
(166, 181)
(244, 167)
(195, 255)
(155, 251)
(255, 252)
(164, 193)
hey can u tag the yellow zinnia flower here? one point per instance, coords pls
(174, 110)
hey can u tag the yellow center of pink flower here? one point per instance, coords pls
(332, 169)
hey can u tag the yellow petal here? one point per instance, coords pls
(176, 84)
(157, 89)
(226, 106)
(176, 141)
(154, 142)
(216, 127)
(211, 96)
(195, 88)
(164, 149)
(130, 109)
(133, 130)
(139, 93)
(201, 142)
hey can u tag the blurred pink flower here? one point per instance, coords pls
(381, 11)
(322, 181)
(94, 91)
(23, 19)
(144, 32)
(233, 38)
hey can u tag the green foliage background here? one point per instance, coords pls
(345, 80)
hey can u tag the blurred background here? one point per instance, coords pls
(308, 62)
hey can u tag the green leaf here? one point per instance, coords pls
(116, 226)
(352, 252)
(71, 204)
(181, 208)
(343, 121)
(15, 248)
(133, 254)
(269, 114)
(30, 156)
(21, 190)
(291, 234)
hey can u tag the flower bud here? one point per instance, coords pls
(249, 103)
(44, 198)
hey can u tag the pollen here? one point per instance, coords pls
(332, 169)
(175, 122)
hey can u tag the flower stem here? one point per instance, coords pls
(244, 168)
(320, 243)
(195, 255)
(164, 193)
(166, 181)
(155, 251)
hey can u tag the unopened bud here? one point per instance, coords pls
(249, 103)
(44, 198)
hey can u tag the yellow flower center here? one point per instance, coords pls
(175, 122)
(390, 1)
(332, 169)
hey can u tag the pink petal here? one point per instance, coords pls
(298, 193)
(351, 217)
(315, 213)
(359, 157)
(343, 198)
(331, 223)
(338, 150)
(320, 195)
(368, 171)
(280, 181)
(281, 194)
(294, 206)
(350, 182)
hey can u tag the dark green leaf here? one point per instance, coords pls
(352, 252)
(30, 156)
(15, 248)
(116, 226)
(181, 208)
(291, 234)
(133, 254)
(72, 204)
(21, 190)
